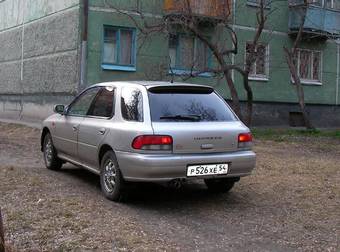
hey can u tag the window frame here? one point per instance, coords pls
(118, 66)
(259, 77)
(309, 81)
(179, 70)
(113, 105)
(77, 98)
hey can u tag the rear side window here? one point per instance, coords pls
(186, 105)
(132, 104)
(102, 106)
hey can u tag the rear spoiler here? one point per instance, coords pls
(182, 89)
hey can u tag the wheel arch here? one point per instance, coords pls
(45, 131)
(103, 149)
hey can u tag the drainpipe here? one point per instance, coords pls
(22, 63)
(83, 62)
(337, 74)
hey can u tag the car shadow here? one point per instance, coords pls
(150, 195)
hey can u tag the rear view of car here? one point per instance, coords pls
(150, 132)
(195, 136)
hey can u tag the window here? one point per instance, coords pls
(188, 53)
(260, 67)
(132, 104)
(81, 105)
(332, 4)
(308, 63)
(102, 106)
(198, 105)
(257, 3)
(119, 49)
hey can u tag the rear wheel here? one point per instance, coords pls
(51, 159)
(111, 179)
(221, 185)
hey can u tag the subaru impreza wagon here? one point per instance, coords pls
(149, 132)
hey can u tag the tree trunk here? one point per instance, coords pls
(299, 88)
(235, 100)
(2, 235)
(250, 98)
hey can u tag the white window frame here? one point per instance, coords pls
(259, 77)
(309, 81)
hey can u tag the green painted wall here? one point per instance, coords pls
(152, 57)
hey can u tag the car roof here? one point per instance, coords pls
(149, 84)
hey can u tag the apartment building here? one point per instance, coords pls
(50, 50)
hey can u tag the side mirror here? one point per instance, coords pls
(60, 109)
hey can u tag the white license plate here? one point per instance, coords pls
(204, 170)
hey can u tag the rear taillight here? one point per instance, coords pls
(152, 142)
(245, 140)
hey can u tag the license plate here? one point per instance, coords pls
(204, 170)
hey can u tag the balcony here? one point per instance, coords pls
(215, 9)
(320, 22)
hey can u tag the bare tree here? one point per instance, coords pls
(186, 20)
(2, 236)
(290, 54)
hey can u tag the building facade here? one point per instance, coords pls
(50, 50)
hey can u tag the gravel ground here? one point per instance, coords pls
(291, 203)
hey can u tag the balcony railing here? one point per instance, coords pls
(219, 9)
(320, 20)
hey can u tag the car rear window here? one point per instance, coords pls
(183, 104)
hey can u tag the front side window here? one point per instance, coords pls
(81, 105)
(308, 64)
(118, 48)
(132, 104)
(188, 53)
(260, 66)
(102, 106)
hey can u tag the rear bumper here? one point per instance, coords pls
(158, 167)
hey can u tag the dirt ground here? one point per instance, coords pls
(291, 203)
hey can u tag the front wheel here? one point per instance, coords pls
(111, 179)
(222, 185)
(51, 159)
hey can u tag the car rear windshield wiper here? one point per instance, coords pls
(193, 118)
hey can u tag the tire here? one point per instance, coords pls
(111, 179)
(51, 159)
(222, 185)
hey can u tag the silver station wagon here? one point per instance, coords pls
(149, 132)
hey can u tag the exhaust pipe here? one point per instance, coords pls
(176, 183)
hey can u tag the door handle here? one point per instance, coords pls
(102, 131)
(75, 128)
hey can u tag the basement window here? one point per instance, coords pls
(119, 49)
(189, 55)
(308, 63)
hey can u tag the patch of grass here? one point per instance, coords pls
(284, 134)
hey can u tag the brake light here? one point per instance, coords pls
(245, 137)
(152, 142)
(245, 140)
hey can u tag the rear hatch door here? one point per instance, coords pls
(198, 120)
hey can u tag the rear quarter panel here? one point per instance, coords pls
(123, 132)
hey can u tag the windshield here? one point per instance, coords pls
(174, 106)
